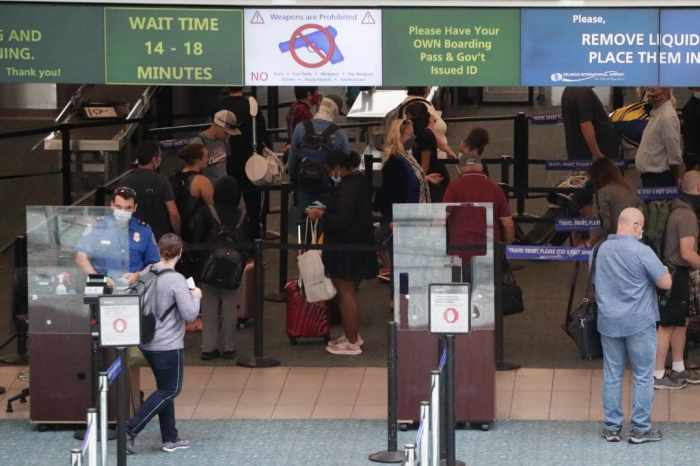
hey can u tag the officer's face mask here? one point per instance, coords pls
(122, 216)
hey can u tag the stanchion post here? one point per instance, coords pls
(258, 360)
(391, 455)
(76, 457)
(122, 408)
(92, 436)
(424, 440)
(450, 400)
(521, 143)
(435, 418)
(506, 161)
(104, 416)
(66, 166)
(20, 260)
(284, 238)
(409, 455)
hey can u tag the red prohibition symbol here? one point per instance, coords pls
(119, 325)
(299, 34)
(451, 315)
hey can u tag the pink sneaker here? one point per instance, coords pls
(345, 348)
(343, 338)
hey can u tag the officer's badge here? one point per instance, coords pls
(137, 236)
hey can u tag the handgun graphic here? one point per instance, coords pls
(318, 40)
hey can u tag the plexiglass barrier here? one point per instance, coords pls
(56, 280)
(443, 243)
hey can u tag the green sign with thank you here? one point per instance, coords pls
(451, 46)
(51, 43)
(173, 46)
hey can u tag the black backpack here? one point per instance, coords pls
(314, 149)
(225, 264)
(146, 286)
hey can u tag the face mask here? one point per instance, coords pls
(122, 216)
(696, 94)
(336, 179)
(640, 235)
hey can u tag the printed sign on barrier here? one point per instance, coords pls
(658, 194)
(449, 308)
(120, 320)
(576, 224)
(305, 47)
(547, 253)
(564, 165)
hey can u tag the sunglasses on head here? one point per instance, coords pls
(125, 192)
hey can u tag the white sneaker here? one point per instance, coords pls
(343, 338)
(345, 348)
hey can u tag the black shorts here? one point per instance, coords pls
(675, 312)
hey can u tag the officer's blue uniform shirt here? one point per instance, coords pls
(111, 252)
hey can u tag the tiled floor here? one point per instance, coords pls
(360, 393)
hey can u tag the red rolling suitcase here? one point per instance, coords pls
(305, 320)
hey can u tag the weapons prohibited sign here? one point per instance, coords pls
(293, 47)
(449, 308)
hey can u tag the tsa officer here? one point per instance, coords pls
(103, 249)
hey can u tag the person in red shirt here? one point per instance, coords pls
(300, 110)
(474, 186)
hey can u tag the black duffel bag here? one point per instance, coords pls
(582, 322)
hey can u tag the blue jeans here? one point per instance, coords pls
(640, 348)
(167, 368)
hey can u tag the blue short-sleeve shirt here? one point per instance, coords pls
(112, 253)
(625, 286)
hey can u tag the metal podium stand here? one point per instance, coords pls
(421, 255)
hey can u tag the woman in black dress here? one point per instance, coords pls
(425, 149)
(347, 220)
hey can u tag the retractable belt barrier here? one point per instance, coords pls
(88, 447)
(547, 253)
(95, 418)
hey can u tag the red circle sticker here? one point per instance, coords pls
(299, 34)
(119, 325)
(451, 315)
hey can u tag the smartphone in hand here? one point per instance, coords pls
(190, 283)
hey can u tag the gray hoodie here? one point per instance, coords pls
(170, 332)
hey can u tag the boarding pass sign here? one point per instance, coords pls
(319, 47)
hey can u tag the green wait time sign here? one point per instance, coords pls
(173, 46)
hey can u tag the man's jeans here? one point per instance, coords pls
(641, 350)
(167, 368)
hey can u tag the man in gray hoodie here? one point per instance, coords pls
(165, 353)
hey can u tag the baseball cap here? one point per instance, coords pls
(227, 120)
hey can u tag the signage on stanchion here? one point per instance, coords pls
(120, 320)
(449, 307)
(299, 47)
